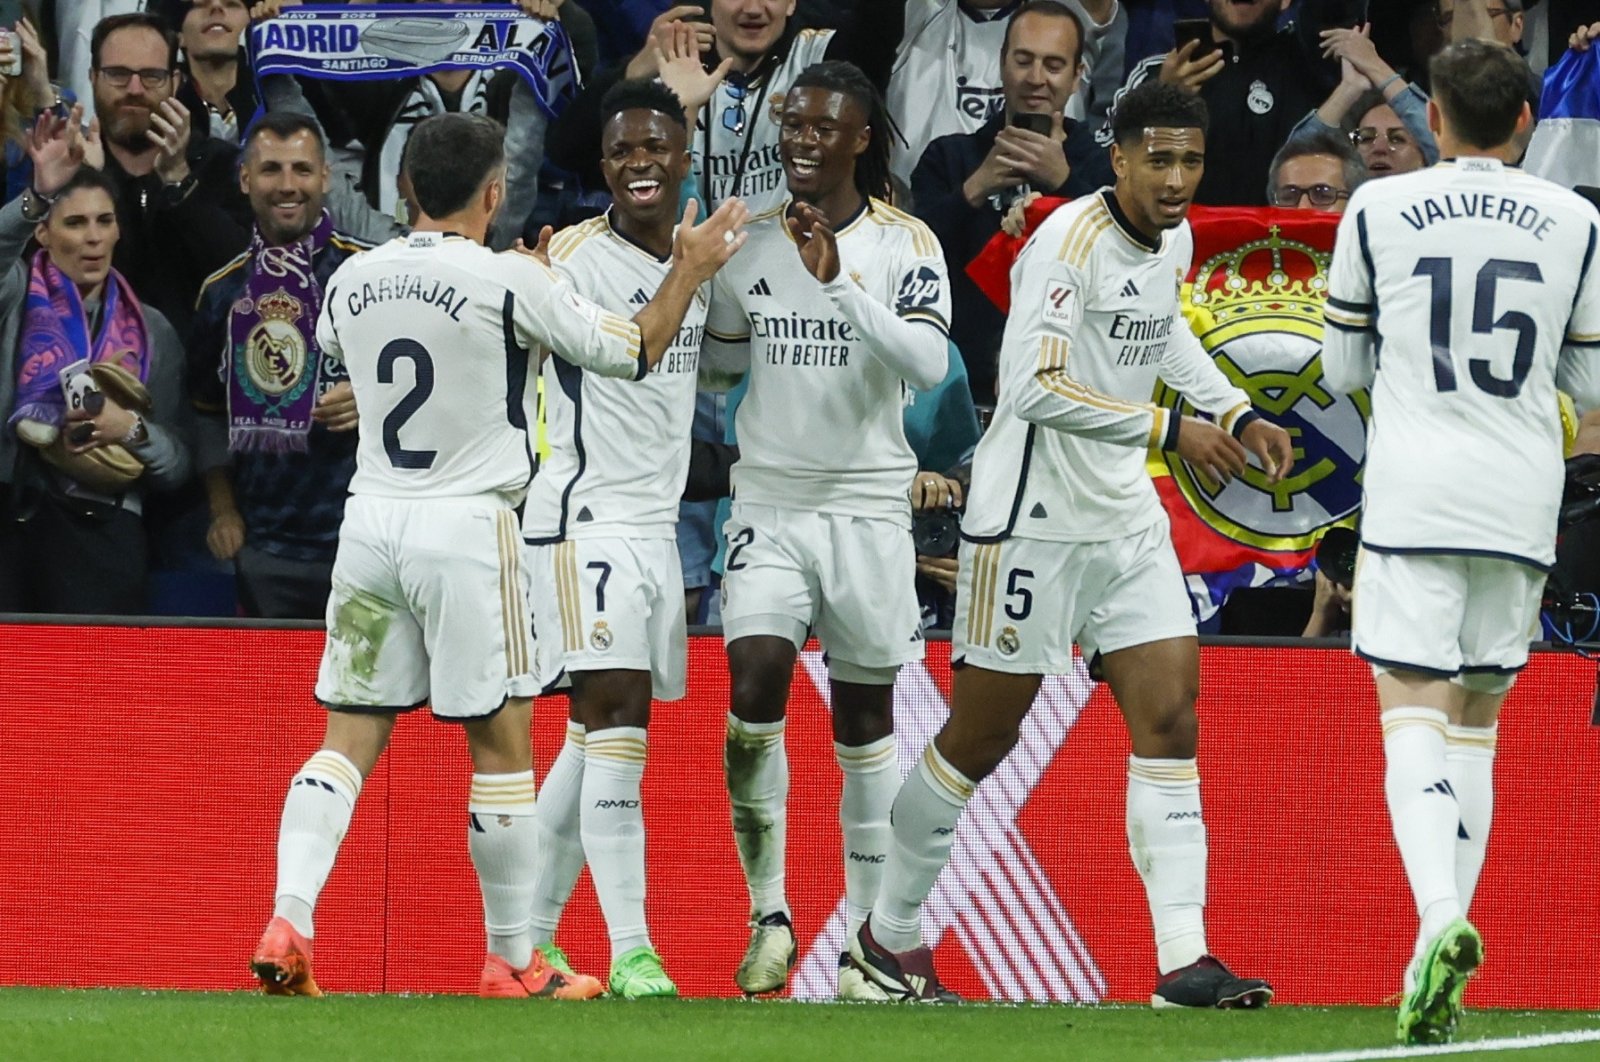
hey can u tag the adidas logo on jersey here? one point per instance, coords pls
(1129, 291)
(639, 298)
(760, 287)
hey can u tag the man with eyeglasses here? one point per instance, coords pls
(179, 207)
(1315, 172)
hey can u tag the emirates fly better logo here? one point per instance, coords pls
(994, 895)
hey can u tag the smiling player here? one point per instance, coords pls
(838, 301)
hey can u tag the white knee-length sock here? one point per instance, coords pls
(871, 780)
(316, 815)
(1469, 764)
(923, 826)
(1423, 812)
(757, 767)
(560, 847)
(613, 831)
(1167, 840)
(504, 843)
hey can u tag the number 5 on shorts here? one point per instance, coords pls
(1014, 589)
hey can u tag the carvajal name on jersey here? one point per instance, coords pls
(1483, 205)
(1146, 339)
(410, 287)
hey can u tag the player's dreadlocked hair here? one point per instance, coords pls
(872, 165)
(645, 94)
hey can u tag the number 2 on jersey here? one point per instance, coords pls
(421, 388)
(1441, 274)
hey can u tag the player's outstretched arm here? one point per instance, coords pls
(1271, 445)
(698, 251)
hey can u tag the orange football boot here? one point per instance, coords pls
(283, 961)
(538, 980)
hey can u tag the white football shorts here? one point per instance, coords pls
(602, 604)
(1021, 603)
(1444, 614)
(429, 606)
(850, 579)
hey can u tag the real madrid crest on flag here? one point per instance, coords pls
(1254, 297)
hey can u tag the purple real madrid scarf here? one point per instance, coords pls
(274, 365)
(56, 333)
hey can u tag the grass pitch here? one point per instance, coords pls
(169, 1026)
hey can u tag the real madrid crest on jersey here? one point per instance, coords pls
(1256, 305)
(601, 637)
(1260, 100)
(275, 349)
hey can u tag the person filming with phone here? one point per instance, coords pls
(965, 183)
(90, 393)
(1258, 79)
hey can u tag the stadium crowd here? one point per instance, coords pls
(183, 504)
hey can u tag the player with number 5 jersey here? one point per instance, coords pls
(1463, 295)
(429, 600)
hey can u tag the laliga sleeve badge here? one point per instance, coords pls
(1060, 302)
(601, 638)
(1008, 642)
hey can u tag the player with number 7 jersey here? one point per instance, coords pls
(429, 602)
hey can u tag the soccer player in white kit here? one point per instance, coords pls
(1066, 541)
(429, 602)
(839, 300)
(607, 583)
(1463, 295)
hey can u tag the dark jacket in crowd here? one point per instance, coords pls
(170, 241)
(976, 323)
(1255, 102)
(242, 99)
(291, 503)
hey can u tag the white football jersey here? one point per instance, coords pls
(435, 332)
(946, 77)
(735, 140)
(619, 449)
(822, 425)
(1464, 295)
(1094, 320)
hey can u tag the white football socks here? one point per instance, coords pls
(316, 814)
(923, 826)
(560, 847)
(871, 780)
(613, 831)
(757, 767)
(1469, 765)
(504, 844)
(1424, 812)
(1167, 840)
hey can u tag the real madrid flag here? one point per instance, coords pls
(1253, 295)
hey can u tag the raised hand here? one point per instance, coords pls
(94, 150)
(644, 63)
(819, 248)
(169, 132)
(700, 250)
(1354, 48)
(265, 9)
(539, 252)
(679, 67)
(1182, 69)
(56, 148)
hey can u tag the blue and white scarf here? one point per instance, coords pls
(384, 42)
